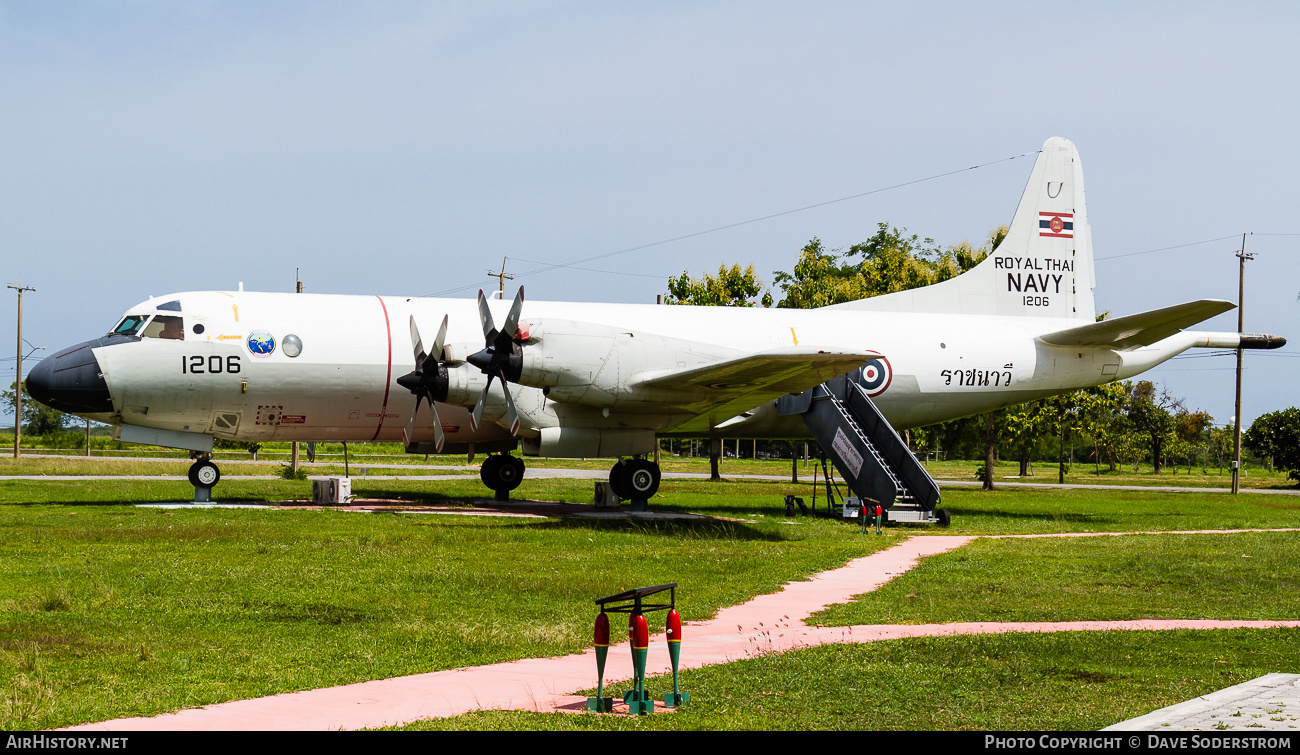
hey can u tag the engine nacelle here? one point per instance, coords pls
(590, 364)
(586, 442)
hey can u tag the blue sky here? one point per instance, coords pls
(405, 148)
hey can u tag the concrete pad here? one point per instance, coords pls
(1269, 703)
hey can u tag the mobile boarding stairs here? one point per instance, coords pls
(873, 460)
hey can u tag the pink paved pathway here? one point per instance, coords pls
(768, 623)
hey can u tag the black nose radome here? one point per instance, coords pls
(70, 381)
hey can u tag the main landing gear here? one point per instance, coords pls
(635, 480)
(203, 475)
(502, 473)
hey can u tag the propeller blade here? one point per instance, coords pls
(417, 344)
(511, 328)
(439, 438)
(485, 317)
(409, 431)
(442, 337)
(512, 415)
(476, 417)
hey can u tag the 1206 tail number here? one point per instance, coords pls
(210, 365)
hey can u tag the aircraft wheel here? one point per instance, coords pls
(618, 480)
(502, 472)
(943, 516)
(641, 478)
(204, 474)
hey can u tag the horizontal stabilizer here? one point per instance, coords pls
(1141, 329)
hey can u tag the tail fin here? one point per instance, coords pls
(1043, 268)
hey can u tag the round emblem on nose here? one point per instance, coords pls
(261, 344)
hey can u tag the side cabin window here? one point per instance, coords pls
(129, 326)
(165, 326)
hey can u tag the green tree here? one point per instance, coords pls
(251, 446)
(1189, 431)
(1102, 421)
(1276, 435)
(819, 279)
(1024, 426)
(38, 419)
(888, 262)
(1066, 412)
(731, 287)
(1152, 414)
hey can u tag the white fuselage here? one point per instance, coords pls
(342, 385)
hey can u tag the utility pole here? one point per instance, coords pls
(1241, 328)
(18, 386)
(293, 462)
(502, 277)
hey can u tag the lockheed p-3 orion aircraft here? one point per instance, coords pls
(566, 379)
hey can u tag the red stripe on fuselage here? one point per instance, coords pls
(388, 379)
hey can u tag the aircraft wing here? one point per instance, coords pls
(1141, 329)
(718, 391)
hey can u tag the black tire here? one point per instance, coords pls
(641, 478)
(502, 472)
(943, 516)
(618, 480)
(204, 474)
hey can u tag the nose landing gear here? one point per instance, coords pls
(203, 475)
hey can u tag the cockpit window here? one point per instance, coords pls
(171, 306)
(165, 326)
(129, 326)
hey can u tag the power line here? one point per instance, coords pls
(1165, 248)
(546, 268)
(597, 270)
(1183, 246)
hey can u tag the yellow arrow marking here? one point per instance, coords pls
(236, 308)
(795, 337)
(229, 338)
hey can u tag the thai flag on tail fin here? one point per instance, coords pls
(1056, 225)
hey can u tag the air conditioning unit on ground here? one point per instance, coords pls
(327, 491)
(606, 498)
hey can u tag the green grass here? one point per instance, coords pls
(105, 465)
(1031, 510)
(1074, 681)
(1005, 511)
(107, 610)
(1248, 575)
(110, 610)
(330, 459)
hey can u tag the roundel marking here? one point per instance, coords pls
(261, 344)
(1058, 225)
(876, 376)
